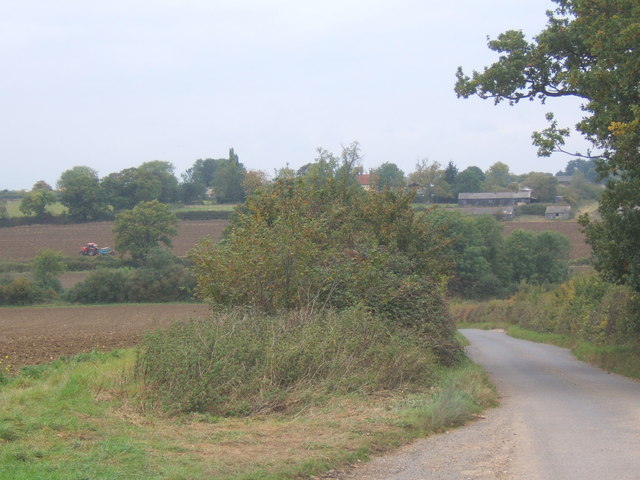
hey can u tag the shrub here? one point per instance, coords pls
(19, 291)
(101, 286)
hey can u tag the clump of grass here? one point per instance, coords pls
(238, 363)
(460, 394)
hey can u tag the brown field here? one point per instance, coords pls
(579, 248)
(32, 335)
(23, 243)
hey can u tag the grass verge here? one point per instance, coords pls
(80, 418)
(621, 359)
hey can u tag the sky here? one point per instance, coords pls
(111, 85)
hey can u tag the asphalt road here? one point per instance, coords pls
(559, 419)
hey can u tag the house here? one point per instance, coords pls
(558, 212)
(501, 213)
(364, 180)
(564, 179)
(495, 199)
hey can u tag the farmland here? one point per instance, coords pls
(32, 335)
(24, 242)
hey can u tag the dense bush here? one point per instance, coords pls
(240, 363)
(106, 285)
(19, 290)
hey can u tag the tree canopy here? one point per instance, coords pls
(589, 50)
(141, 229)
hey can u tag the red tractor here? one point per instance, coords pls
(91, 250)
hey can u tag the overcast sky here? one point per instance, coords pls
(111, 85)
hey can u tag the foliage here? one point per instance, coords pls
(228, 180)
(81, 193)
(489, 265)
(545, 186)
(163, 278)
(585, 308)
(105, 285)
(46, 266)
(19, 290)
(588, 168)
(142, 228)
(238, 363)
(497, 177)
(470, 180)
(320, 241)
(35, 202)
(387, 175)
(588, 50)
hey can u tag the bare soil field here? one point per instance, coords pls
(32, 335)
(572, 229)
(23, 243)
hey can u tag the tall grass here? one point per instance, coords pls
(238, 363)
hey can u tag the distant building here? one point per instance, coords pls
(501, 213)
(364, 180)
(495, 199)
(564, 179)
(558, 212)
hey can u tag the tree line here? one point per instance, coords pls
(87, 197)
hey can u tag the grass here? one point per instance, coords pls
(621, 359)
(13, 208)
(80, 418)
(207, 207)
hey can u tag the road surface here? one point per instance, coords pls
(559, 419)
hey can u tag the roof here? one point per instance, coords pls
(495, 195)
(558, 209)
(364, 179)
(488, 210)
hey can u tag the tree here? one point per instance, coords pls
(450, 173)
(388, 175)
(46, 266)
(497, 177)
(35, 202)
(253, 181)
(544, 185)
(427, 176)
(81, 193)
(141, 229)
(469, 181)
(589, 50)
(227, 182)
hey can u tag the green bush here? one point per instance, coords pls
(106, 285)
(532, 209)
(240, 363)
(19, 290)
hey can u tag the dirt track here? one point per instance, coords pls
(30, 335)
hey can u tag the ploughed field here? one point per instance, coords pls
(24, 242)
(32, 335)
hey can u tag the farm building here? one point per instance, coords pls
(501, 213)
(559, 212)
(495, 199)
